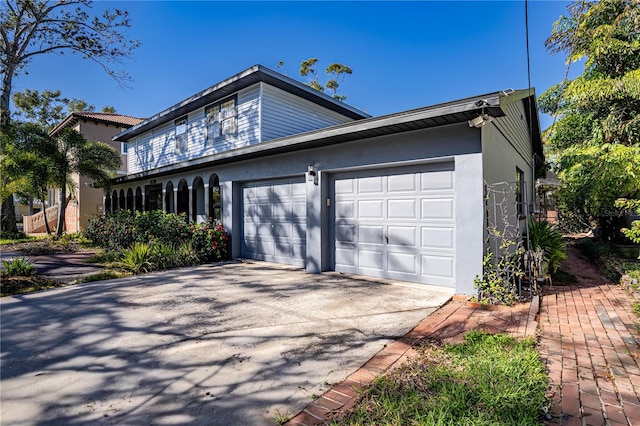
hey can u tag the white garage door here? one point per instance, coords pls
(396, 223)
(274, 221)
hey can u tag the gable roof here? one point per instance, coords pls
(233, 84)
(98, 117)
(454, 112)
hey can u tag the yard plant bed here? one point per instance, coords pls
(489, 379)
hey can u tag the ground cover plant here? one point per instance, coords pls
(19, 276)
(489, 379)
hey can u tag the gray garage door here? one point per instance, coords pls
(274, 221)
(396, 223)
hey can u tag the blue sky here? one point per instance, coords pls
(403, 54)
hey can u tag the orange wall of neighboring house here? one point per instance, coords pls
(89, 200)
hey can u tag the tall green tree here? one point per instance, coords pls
(594, 143)
(75, 154)
(46, 108)
(336, 72)
(32, 152)
(29, 28)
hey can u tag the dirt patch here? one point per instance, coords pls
(582, 268)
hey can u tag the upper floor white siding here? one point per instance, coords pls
(264, 112)
(285, 114)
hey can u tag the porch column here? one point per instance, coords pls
(142, 194)
(190, 189)
(104, 204)
(175, 199)
(206, 201)
(164, 200)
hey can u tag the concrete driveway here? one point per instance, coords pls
(230, 344)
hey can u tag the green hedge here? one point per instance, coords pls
(122, 229)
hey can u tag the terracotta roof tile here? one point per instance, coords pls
(105, 116)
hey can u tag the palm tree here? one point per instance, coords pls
(75, 154)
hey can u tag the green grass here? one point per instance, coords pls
(486, 380)
(103, 275)
(12, 241)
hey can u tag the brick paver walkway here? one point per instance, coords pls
(591, 346)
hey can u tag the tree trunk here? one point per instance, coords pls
(8, 221)
(62, 208)
(44, 215)
(5, 97)
(8, 218)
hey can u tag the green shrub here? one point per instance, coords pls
(137, 258)
(210, 241)
(158, 226)
(113, 231)
(543, 236)
(187, 254)
(18, 267)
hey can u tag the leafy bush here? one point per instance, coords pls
(113, 231)
(210, 241)
(543, 236)
(18, 267)
(494, 287)
(158, 226)
(137, 258)
(166, 232)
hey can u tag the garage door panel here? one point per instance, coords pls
(371, 259)
(438, 266)
(434, 237)
(402, 226)
(345, 233)
(371, 234)
(274, 221)
(402, 183)
(437, 180)
(345, 209)
(404, 263)
(437, 208)
(345, 186)
(370, 185)
(345, 257)
(371, 209)
(299, 211)
(402, 209)
(403, 236)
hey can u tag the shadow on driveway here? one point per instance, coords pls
(228, 344)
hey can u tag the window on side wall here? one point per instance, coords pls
(221, 119)
(181, 135)
(520, 193)
(124, 147)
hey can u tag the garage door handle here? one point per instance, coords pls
(386, 238)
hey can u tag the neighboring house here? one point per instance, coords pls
(299, 178)
(86, 201)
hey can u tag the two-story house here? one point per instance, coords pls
(299, 178)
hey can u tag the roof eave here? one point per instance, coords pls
(417, 119)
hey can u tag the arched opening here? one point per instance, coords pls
(183, 198)
(130, 199)
(114, 201)
(107, 203)
(215, 199)
(138, 200)
(122, 200)
(168, 198)
(199, 209)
